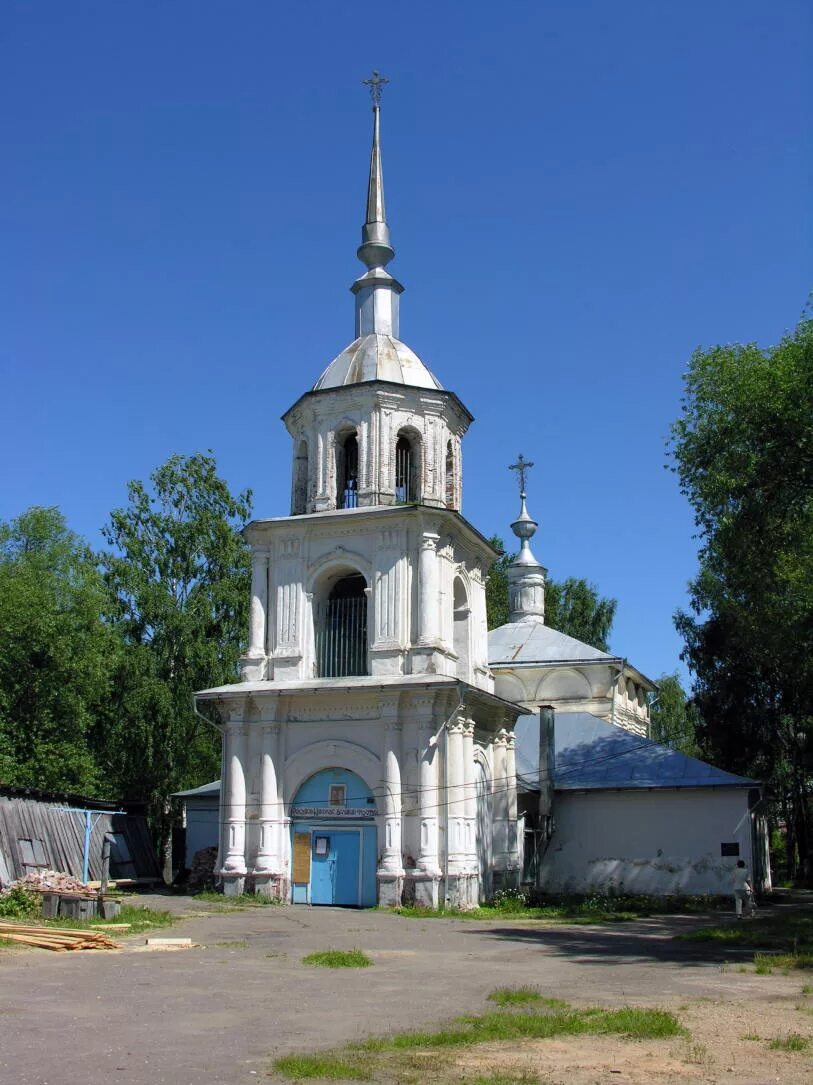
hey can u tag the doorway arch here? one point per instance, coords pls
(334, 840)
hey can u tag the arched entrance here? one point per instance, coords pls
(334, 841)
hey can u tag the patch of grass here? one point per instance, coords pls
(556, 1019)
(597, 908)
(338, 958)
(790, 933)
(794, 1041)
(140, 919)
(237, 943)
(328, 1067)
(514, 996)
(767, 963)
(238, 903)
(750, 1036)
(807, 989)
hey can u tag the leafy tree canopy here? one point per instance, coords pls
(743, 453)
(673, 718)
(57, 656)
(178, 578)
(572, 606)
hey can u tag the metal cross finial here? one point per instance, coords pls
(522, 465)
(376, 83)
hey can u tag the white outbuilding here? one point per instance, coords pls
(366, 756)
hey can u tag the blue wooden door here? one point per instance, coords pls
(346, 882)
(323, 868)
(335, 867)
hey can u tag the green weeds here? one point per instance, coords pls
(338, 958)
(515, 996)
(794, 1041)
(536, 1018)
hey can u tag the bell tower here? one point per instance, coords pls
(364, 735)
(377, 428)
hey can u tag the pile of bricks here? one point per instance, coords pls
(202, 871)
(51, 881)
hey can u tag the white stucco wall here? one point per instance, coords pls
(656, 842)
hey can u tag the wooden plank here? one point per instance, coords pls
(302, 858)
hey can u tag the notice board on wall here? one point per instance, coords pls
(302, 858)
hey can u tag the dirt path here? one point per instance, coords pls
(221, 1012)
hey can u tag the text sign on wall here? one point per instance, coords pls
(302, 858)
(366, 812)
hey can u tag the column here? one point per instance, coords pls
(511, 805)
(259, 603)
(267, 861)
(428, 600)
(500, 785)
(429, 802)
(470, 806)
(234, 806)
(455, 804)
(391, 868)
(470, 794)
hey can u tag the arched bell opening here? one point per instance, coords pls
(340, 626)
(407, 468)
(347, 471)
(449, 481)
(299, 494)
(461, 633)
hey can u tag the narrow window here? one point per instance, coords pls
(450, 487)
(341, 629)
(347, 473)
(406, 471)
(299, 499)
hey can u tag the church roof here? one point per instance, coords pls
(376, 357)
(592, 755)
(535, 642)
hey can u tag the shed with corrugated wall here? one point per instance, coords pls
(43, 831)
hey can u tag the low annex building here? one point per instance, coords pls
(366, 756)
(607, 809)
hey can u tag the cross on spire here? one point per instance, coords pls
(521, 467)
(376, 83)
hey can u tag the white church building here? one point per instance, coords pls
(366, 757)
(370, 747)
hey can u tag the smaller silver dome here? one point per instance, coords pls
(377, 357)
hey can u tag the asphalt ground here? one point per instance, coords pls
(220, 1012)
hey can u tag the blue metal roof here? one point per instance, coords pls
(592, 754)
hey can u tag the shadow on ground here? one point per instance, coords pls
(643, 940)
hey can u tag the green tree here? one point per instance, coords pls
(179, 581)
(573, 606)
(743, 453)
(673, 717)
(57, 656)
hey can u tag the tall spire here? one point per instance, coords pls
(526, 577)
(375, 249)
(377, 293)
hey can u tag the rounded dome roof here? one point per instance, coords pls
(377, 357)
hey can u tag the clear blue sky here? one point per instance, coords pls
(579, 195)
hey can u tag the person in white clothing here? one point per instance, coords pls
(743, 893)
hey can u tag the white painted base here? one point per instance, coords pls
(462, 891)
(390, 889)
(425, 890)
(233, 885)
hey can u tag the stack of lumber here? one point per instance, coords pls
(56, 938)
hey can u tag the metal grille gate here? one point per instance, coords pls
(341, 637)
